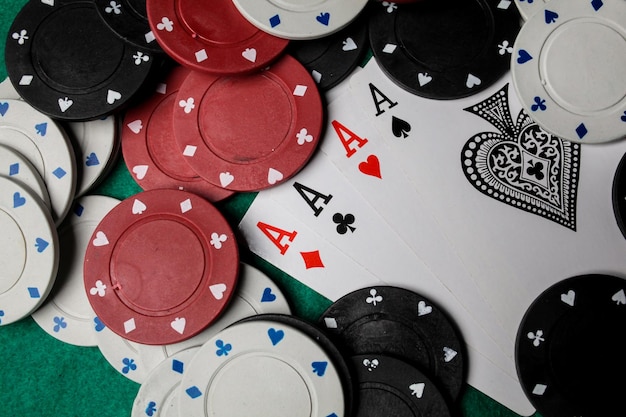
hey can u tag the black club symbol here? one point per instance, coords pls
(344, 223)
(535, 169)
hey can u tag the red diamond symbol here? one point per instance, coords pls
(312, 259)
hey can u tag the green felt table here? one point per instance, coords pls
(42, 376)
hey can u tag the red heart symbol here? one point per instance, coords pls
(371, 166)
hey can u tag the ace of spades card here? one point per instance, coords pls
(524, 209)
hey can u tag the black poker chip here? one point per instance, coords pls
(444, 49)
(400, 323)
(339, 361)
(619, 195)
(331, 59)
(388, 386)
(570, 347)
(129, 20)
(65, 62)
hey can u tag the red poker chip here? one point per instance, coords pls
(249, 133)
(211, 36)
(161, 267)
(150, 150)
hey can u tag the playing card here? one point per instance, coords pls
(359, 152)
(310, 198)
(523, 208)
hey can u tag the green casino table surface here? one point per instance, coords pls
(43, 377)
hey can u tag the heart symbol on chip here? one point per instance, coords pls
(140, 171)
(138, 207)
(41, 129)
(267, 296)
(113, 96)
(92, 160)
(218, 290)
(273, 176)
(423, 78)
(135, 126)
(623, 117)
(98, 325)
(371, 166)
(417, 389)
(65, 103)
(249, 54)
(472, 81)
(349, 45)
(48, 2)
(569, 297)
(551, 16)
(323, 18)
(275, 335)
(226, 178)
(100, 239)
(523, 56)
(619, 297)
(178, 324)
(423, 309)
(18, 200)
(4, 108)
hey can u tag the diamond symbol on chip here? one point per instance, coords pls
(389, 48)
(26, 80)
(504, 4)
(190, 150)
(539, 389)
(129, 325)
(330, 322)
(185, 206)
(300, 90)
(149, 37)
(317, 76)
(312, 259)
(201, 55)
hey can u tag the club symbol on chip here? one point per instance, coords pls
(374, 298)
(114, 8)
(217, 240)
(20, 37)
(187, 105)
(536, 337)
(370, 364)
(99, 289)
(166, 24)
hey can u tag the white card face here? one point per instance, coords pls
(275, 235)
(524, 209)
(359, 152)
(324, 201)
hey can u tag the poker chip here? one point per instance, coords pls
(211, 36)
(158, 395)
(275, 367)
(150, 150)
(66, 79)
(567, 69)
(527, 9)
(161, 267)
(332, 58)
(255, 294)
(338, 360)
(30, 252)
(619, 195)
(97, 146)
(444, 50)
(16, 167)
(249, 133)
(46, 146)
(390, 386)
(401, 323)
(567, 344)
(129, 20)
(132, 360)
(67, 315)
(308, 19)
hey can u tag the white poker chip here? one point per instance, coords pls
(261, 368)
(568, 69)
(303, 19)
(529, 8)
(67, 315)
(256, 294)
(16, 167)
(97, 144)
(46, 146)
(132, 360)
(158, 395)
(29, 252)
